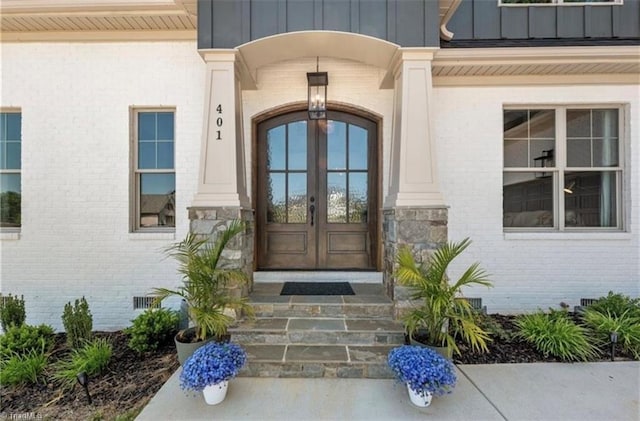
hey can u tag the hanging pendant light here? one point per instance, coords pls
(317, 83)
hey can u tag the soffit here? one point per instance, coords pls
(492, 64)
(38, 19)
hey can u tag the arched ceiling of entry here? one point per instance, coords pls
(342, 45)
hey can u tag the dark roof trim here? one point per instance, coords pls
(540, 42)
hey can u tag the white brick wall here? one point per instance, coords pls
(75, 238)
(533, 271)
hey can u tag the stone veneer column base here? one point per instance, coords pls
(209, 221)
(424, 229)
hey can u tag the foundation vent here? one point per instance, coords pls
(143, 303)
(476, 304)
(584, 303)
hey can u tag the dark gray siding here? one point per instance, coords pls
(484, 20)
(229, 23)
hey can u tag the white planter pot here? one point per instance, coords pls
(419, 399)
(216, 393)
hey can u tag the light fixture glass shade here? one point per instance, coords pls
(317, 95)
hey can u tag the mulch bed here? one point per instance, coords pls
(128, 384)
(132, 380)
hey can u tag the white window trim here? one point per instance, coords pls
(134, 193)
(559, 229)
(561, 3)
(13, 233)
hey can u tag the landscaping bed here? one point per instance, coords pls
(121, 391)
(131, 380)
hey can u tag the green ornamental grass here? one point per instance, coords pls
(626, 325)
(92, 358)
(22, 369)
(557, 335)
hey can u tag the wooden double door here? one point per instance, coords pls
(317, 192)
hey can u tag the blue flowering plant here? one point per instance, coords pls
(422, 369)
(211, 364)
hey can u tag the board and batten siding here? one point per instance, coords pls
(228, 24)
(486, 20)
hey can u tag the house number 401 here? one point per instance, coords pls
(219, 122)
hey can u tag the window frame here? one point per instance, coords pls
(563, 3)
(135, 172)
(560, 167)
(14, 110)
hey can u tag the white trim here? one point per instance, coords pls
(567, 235)
(6, 235)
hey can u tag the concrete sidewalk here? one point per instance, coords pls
(541, 391)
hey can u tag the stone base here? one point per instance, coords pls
(423, 229)
(209, 221)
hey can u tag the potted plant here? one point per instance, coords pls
(204, 288)
(441, 315)
(210, 368)
(425, 372)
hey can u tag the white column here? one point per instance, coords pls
(413, 177)
(222, 179)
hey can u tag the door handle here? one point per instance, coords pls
(312, 209)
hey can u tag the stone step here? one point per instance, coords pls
(369, 302)
(308, 361)
(318, 331)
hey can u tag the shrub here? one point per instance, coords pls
(555, 334)
(616, 305)
(92, 358)
(626, 325)
(11, 311)
(22, 368)
(152, 328)
(78, 323)
(21, 340)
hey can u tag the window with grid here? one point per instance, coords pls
(563, 168)
(154, 178)
(10, 170)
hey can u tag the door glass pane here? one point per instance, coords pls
(297, 145)
(276, 148)
(357, 148)
(358, 197)
(297, 200)
(276, 201)
(337, 146)
(590, 199)
(337, 197)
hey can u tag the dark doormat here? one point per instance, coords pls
(317, 288)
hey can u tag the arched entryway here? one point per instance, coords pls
(317, 192)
